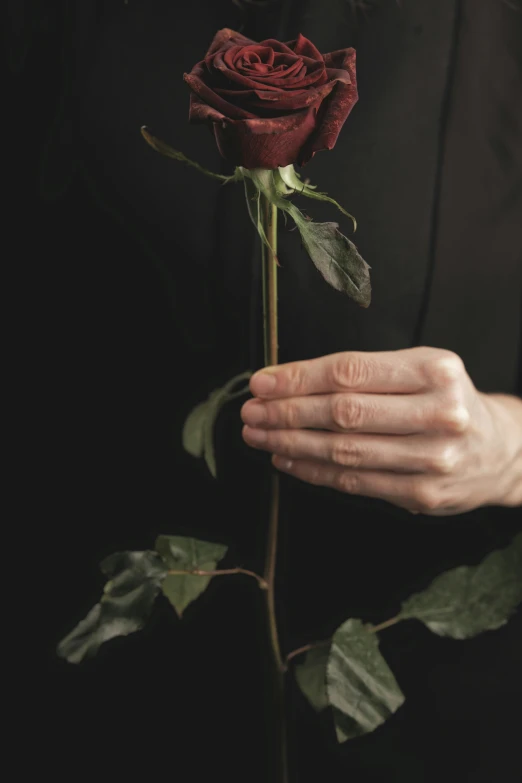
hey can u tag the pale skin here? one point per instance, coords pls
(407, 426)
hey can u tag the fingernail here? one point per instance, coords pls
(282, 462)
(254, 436)
(263, 382)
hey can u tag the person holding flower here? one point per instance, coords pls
(395, 424)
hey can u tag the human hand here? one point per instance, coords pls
(406, 426)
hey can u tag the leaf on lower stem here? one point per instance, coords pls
(361, 687)
(311, 676)
(351, 676)
(468, 600)
(134, 582)
(198, 430)
(187, 554)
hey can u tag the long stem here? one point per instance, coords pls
(271, 358)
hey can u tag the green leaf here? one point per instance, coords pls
(336, 258)
(361, 687)
(134, 582)
(169, 152)
(468, 600)
(187, 554)
(311, 676)
(198, 430)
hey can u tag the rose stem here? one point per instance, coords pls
(271, 358)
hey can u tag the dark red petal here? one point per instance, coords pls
(265, 53)
(208, 95)
(277, 46)
(282, 72)
(305, 47)
(201, 112)
(341, 58)
(267, 143)
(225, 38)
(234, 76)
(335, 109)
(295, 71)
(291, 100)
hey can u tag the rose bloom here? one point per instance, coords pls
(271, 104)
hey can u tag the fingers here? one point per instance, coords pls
(397, 372)
(409, 454)
(411, 492)
(369, 413)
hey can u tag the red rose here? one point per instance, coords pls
(270, 103)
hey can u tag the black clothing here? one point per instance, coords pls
(430, 163)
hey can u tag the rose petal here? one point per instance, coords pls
(230, 75)
(213, 99)
(335, 108)
(303, 46)
(227, 37)
(200, 111)
(264, 143)
(283, 100)
(277, 46)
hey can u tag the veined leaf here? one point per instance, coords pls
(361, 687)
(187, 554)
(334, 255)
(468, 600)
(336, 258)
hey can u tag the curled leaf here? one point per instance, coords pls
(288, 182)
(198, 430)
(165, 149)
(311, 677)
(134, 582)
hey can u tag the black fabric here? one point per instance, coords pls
(159, 301)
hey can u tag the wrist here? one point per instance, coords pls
(508, 411)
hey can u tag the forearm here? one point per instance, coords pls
(510, 411)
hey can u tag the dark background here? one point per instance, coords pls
(120, 339)
(123, 331)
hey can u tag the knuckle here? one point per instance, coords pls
(296, 378)
(271, 414)
(346, 412)
(455, 417)
(346, 454)
(444, 369)
(291, 416)
(348, 482)
(349, 371)
(444, 461)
